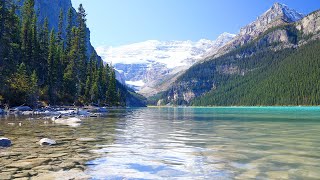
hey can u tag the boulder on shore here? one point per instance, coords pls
(102, 110)
(22, 108)
(5, 142)
(47, 142)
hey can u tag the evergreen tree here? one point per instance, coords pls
(112, 91)
(34, 90)
(38, 65)
(51, 68)
(27, 31)
(60, 28)
(82, 51)
(44, 51)
(69, 29)
(19, 85)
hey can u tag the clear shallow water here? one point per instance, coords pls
(212, 143)
(174, 143)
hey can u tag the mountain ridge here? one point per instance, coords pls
(150, 66)
(278, 14)
(218, 72)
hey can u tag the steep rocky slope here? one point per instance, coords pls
(278, 14)
(227, 78)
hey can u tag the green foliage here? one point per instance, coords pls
(291, 79)
(265, 77)
(36, 65)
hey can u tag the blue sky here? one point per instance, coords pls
(120, 22)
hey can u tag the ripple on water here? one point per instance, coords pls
(176, 143)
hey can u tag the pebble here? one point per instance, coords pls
(47, 142)
(5, 142)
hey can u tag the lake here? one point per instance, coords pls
(170, 143)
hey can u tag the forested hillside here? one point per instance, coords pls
(40, 64)
(288, 78)
(280, 67)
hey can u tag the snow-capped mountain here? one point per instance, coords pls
(278, 14)
(147, 65)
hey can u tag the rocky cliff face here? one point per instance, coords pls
(276, 30)
(310, 24)
(278, 14)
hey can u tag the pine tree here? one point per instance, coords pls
(34, 90)
(82, 33)
(69, 30)
(27, 31)
(44, 49)
(19, 85)
(70, 77)
(51, 68)
(112, 91)
(60, 28)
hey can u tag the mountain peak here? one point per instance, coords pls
(278, 14)
(278, 5)
(226, 35)
(288, 14)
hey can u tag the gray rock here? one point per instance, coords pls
(67, 165)
(5, 142)
(22, 108)
(47, 142)
(6, 175)
(28, 163)
(102, 110)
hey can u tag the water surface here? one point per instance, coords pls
(179, 143)
(213, 143)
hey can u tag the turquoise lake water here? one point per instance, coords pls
(211, 143)
(170, 143)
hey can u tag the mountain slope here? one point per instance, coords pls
(278, 14)
(264, 71)
(291, 78)
(149, 66)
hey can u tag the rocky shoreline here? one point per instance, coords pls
(47, 144)
(86, 111)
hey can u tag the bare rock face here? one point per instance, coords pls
(277, 15)
(277, 29)
(310, 24)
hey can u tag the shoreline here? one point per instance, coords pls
(298, 106)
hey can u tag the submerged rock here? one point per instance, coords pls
(28, 163)
(1, 111)
(63, 175)
(102, 110)
(83, 113)
(87, 139)
(5, 142)
(47, 142)
(73, 122)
